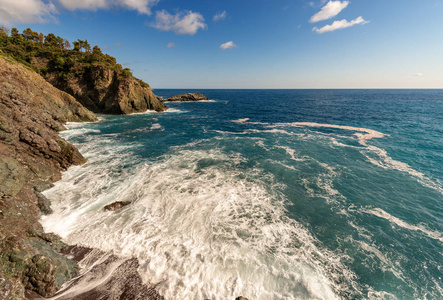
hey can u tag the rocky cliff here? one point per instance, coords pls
(32, 155)
(104, 90)
(94, 78)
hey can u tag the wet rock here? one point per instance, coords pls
(32, 155)
(187, 97)
(43, 204)
(116, 205)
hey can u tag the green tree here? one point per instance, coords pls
(97, 52)
(16, 37)
(51, 40)
(14, 32)
(4, 31)
(30, 35)
(82, 44)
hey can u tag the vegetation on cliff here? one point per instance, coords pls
(95, 79)
(50, 54)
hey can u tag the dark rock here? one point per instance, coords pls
(117, 205)
(32, 155)
(241, 298)
(43, 204)
(187, 97)
(111, 278)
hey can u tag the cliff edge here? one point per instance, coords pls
(32, 156)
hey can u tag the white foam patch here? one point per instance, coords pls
(175, 110)
(198, 227)
(369, 133)
(75, 131)
(156, 126)
(146, 112)
(241, 121)
(384, 215)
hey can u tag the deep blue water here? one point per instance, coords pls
(269, 194)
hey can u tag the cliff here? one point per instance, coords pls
(104, 90)
(32, 155)
(95, 79)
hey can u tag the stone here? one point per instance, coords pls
(116, 205)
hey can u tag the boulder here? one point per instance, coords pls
(116, 205)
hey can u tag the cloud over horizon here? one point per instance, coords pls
(220, 16)
(228, 45)
(340, 25)
(330, 10)
(26, 11)
(181, 23)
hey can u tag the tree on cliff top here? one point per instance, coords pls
(52, 54)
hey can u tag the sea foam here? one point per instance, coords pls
(198, 227)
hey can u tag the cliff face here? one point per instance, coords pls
(32, 155)
(103, 90)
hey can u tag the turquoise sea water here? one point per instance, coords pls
(269, 194)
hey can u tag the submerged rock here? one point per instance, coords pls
(117, 205)
(187, 97)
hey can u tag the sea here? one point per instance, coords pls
(266, 194)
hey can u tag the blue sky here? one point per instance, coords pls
(254, 44)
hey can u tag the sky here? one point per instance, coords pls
(253, 43)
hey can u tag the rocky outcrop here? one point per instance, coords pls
(32, 155)
(103, 90)
(187, 97)
(116, 205)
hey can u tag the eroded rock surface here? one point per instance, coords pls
(32, 155)
(103, 90)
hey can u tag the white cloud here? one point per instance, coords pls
(228, 45)
(181, 23)
(220, 16)
(142, 6)
(340, 25)
(418, 75)
(170, 45)
(26, 11)
(331, 9)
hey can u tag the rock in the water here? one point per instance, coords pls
(117, 205)
(241, 298)
(187, 97)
